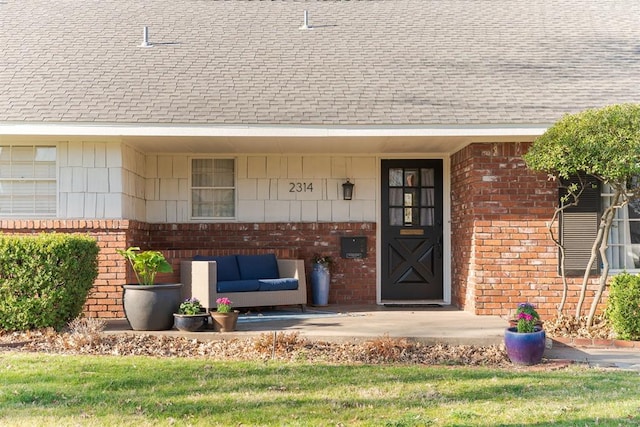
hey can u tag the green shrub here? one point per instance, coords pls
(623, 307)
(45, 279)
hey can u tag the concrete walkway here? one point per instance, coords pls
(445, 325)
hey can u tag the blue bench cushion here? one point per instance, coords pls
(258, 266)
(227, 266)
(278, 284)
(238, 286)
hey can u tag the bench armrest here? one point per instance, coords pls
(293, 268)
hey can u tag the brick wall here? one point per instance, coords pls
(502, 254)
(352, 280)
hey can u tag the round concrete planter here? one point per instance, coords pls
(151, 308)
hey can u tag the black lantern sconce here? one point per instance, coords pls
(347, 190)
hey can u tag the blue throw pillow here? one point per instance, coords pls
(258, 266)
(227, 266)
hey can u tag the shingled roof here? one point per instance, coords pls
(379, 62)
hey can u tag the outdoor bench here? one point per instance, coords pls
(247, 280)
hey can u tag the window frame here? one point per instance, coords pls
(192, 217)
(621, 218)
(35, 179)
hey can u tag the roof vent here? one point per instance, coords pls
(145, 37)
(305, 25)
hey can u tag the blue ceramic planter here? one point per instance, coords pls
(320, 279)
(524, 348)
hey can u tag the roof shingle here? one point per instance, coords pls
(395, 62)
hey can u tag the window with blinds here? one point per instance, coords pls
(28, 184)
(213, 192)
(579, 227)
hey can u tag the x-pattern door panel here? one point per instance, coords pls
(412, 230)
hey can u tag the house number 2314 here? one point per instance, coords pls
(300, 187)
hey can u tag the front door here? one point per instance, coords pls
(412, 230)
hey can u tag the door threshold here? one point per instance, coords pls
(412, 305)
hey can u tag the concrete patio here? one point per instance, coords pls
(429, 325)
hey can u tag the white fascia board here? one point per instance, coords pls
(283, 131)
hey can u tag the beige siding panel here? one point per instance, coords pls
(340, 210)
(257, 167)
(251, 210)
(114, 155)
(324, 211)
(98, 181)
(75, 205)
(294, 167)
(181, 167)
(78, 179)
(156, 211)
(74, 154)
(309, 211)
(100, 160)
(165, 166)
(316, 167)
(151, 166)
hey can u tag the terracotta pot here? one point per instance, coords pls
(524, 348)
(225, 322)
(190, 322)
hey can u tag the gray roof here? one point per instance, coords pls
(379, 62)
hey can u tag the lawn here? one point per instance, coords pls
(47, 390)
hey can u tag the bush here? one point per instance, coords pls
(623, 307)
(45, 279)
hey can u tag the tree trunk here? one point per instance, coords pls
(587, 271)
(607, 218)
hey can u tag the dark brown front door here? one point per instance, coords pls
(412, 230)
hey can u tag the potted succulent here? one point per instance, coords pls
(191, 316)
(224, 318)
(149, 306)
(320, 279)
(525, 342)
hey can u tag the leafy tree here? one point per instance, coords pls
(600, 143)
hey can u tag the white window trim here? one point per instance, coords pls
(55, 180)
(234, 188)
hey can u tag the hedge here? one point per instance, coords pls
(623, 307)
(45, 279)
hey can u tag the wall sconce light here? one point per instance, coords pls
(347, 190)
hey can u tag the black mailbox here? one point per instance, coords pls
(353, 247)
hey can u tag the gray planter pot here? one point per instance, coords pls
(151, 308)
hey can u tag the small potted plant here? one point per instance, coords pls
(321, 279)
(149, 306)
(191, 316)
(525, 342)
(224, 318)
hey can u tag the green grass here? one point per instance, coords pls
(37, 389)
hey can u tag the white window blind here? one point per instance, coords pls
(213, 192)
(27, 180)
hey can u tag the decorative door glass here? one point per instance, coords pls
(411, 197)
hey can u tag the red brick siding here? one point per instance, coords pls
(353, 281)
(502, 253)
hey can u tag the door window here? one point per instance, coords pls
(411, 197)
